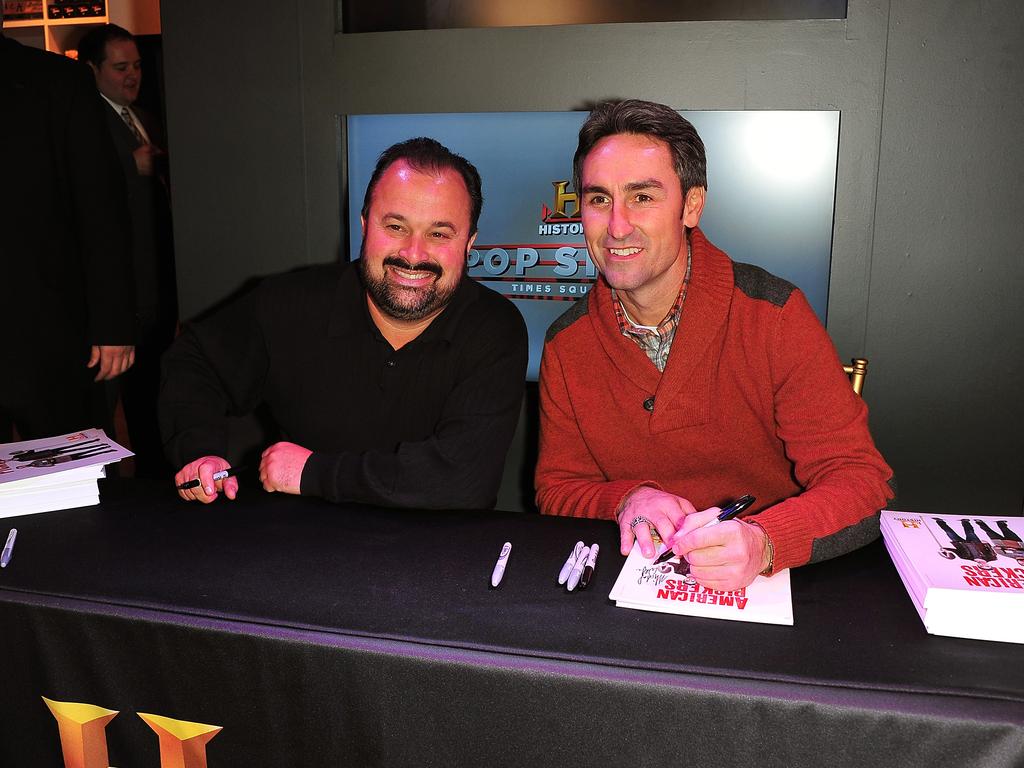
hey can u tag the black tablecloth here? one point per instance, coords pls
(424, 577)
(421, 579)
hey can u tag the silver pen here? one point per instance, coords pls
(5, 557)
(499, 567)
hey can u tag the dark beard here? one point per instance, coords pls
(390, 300)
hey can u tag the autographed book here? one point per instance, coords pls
(964, 573)
(55, 472)
(669, 588)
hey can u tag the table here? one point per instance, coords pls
(323, 635)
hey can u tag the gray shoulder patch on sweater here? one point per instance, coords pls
(850, 538)
(760, 284)
(567, 318)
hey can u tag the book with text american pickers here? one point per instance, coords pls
(59, 472)
(964, 573)
(669, 588)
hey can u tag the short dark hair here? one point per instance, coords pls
(645, 118)
(92, 48)
(428, 155)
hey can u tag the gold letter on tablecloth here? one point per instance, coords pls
(83, 737)
(182, 744)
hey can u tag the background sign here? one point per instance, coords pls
(771, 197)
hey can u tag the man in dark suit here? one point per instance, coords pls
(112, 54)
(67, 303)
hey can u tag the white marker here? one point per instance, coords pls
(5, 557)
(231, 472)
(588, 571)
(499, 567)
(573, 556)
(577, 568)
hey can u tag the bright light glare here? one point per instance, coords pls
(789, 147)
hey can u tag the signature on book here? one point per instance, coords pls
(651, 574)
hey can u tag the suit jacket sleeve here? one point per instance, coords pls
(100, 208)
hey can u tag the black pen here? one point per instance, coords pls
(728, 513)
(588, 569)
(223, 474)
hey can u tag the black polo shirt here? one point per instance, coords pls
(427, 425)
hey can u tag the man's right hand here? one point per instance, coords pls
(208, 489)
(144, 156)
(112, 361)
(664, 511)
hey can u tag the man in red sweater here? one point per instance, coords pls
(685, 379)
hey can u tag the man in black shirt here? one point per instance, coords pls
(395, 380)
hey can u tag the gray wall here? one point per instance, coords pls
(924, 281)
(946, 326)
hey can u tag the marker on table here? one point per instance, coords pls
(588, 570)
(577, 568)
(728, 513)
(5, 557)
(499, 567)
(221, 475)
(570, 562)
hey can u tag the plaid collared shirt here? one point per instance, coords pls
(655, 342)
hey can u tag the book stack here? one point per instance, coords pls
(965, 575)
(669, 588)
(55, 472)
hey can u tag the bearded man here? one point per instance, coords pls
(395, 380)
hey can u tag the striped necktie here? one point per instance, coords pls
(127, 117)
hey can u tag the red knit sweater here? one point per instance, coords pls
(753, 400)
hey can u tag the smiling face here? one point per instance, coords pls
(634, 221)
(415, 241)
(120, 73)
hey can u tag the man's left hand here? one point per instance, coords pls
(726, 556)
(281, 467)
